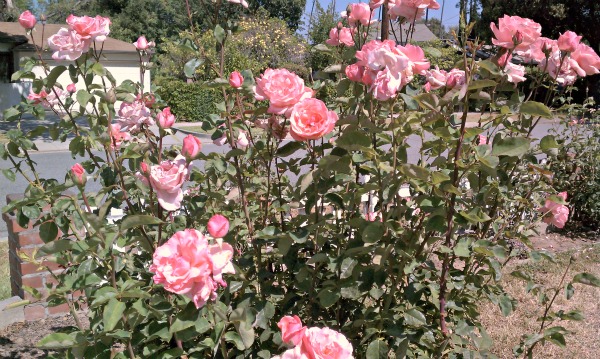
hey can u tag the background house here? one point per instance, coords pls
(119, 57)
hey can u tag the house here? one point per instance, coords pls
(119, 58)
(398, 32)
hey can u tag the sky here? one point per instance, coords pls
(451, 13)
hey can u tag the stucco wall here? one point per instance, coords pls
(10, 94)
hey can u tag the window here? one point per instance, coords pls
(6, 66)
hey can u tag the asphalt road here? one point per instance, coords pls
(53, 163)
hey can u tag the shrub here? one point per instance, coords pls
(189, 101)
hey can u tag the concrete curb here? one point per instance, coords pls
(10, 316)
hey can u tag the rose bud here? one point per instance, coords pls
(191, 147)
(71, 88)
(78, 175)
(236, 79)
(141, 44)
(27, 20)
(165, 118)
(218, 226)
(144, 169)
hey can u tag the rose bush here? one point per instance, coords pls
(381, 222)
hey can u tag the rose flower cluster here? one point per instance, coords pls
(563, 60)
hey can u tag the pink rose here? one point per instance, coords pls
(436, 78)
(563, 71)
(117, 136)
(515, 73)
(385, 86)
(554, 213)
(503, 59)
(282, 88)
(242, 140)
(191, 147)
(188, 265)
(27, 20)
(142, 44)
(375, 4)
(37, 98)
(515, 32)
(218, 226)
(411, 10)
(90, 28)
(48, 99)
(78, 175)
(482, 140)
(539, 49)
(416, 58)
(236, 79)
(311, 120)
(585, 60)
(292, 330)
(359, 14)
(325, 343)
(167, 179)
(72, 88)
(244, 3)
(221, 140)
(456, 78)
(342, 36)
(165, 118)
(67, 45)
(134, 115)
(568, 41)
(354, 72)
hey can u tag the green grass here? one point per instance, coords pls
(4, 271)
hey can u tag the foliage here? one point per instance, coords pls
(289, 11)
(576, 170)
(322, 228)
(256, 44)
(322, 22)
(189, 101)
(447, 55)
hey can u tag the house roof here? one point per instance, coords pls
(420, 34)
(12, 32)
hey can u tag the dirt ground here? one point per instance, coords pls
(18, 340)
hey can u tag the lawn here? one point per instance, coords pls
(584, 343)
(4, 271)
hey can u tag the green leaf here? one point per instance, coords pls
(476, 215)
(549, 145)
(189, 69)
(306, 181)
(506, 305)
(373, 232)
(112, 314)
(57, 341)
(328, 297)
(569, 290)
(48, 231)
(333, 69)
(219, 33)
(289, 148)
(353, 141)
(415, 171)
(31, 212)
(377, 349)
(479, 84)
(414, 318)
(536, 109)
(10, 175)
(139, 220)
(179, 325)
(61, 245)
(83, 97)
(587, 279)
(53, 76)
(511, 146)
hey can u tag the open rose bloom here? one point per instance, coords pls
(554, 213)
(313, 343)
(187, 264)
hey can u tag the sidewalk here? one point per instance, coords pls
(45, 144)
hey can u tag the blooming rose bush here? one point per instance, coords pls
(381, 220)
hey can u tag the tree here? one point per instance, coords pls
(289, 11)
(322, 22)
